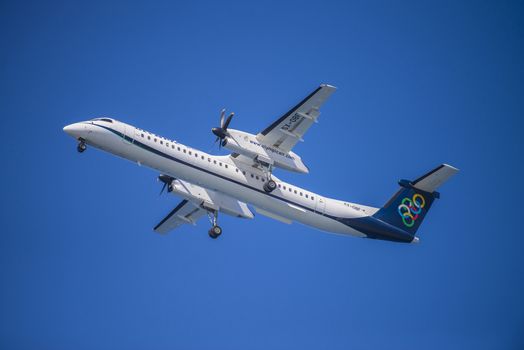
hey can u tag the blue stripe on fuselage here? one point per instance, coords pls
(372, 227)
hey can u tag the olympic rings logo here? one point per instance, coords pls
(409, 209)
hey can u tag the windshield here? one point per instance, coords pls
(104, 120)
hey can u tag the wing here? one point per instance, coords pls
(196, 203)
(185, 212)
(286, 131)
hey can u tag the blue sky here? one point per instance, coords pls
(420, 83)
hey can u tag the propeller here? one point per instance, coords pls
(167, 180)
(221, 131)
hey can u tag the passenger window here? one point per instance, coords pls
(225, 165)
(256, 177)
(148, 137)
(196, 155)
(307, 196)
(190, 153)
(243, 172)
(220, 163)
(290, 190)
(295, 191)
(214, 162)
(142, 135)
(209, 160)
(300, 193)
(312, 198)
(173, 146)
(278, 185)
(185, 150)
(202, 157)
(284, 187)
(236, 170)
(252, 175)
(155, 139)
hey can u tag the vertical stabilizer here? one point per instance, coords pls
(408, 207)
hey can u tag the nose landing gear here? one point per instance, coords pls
(216, 230)
(81, 145)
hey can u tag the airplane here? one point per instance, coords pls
(209, 184)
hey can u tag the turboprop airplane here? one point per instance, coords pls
(209, 184)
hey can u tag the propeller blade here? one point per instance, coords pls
(167, 180)
(228, 120)
(163, 188)
(222, 114)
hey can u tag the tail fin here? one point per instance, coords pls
(408, 207)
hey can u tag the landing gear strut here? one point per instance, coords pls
(81, 146)
(216, 230)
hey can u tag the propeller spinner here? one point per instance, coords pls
(167, 180)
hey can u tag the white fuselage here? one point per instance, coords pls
(220, 173)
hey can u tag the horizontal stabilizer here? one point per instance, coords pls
(435, 178)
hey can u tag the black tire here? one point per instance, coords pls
(81, 147)
(212, 234)
(215, 232)
(270, 186)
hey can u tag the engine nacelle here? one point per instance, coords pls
(247, 145)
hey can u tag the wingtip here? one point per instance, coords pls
(451, 167)
(328, 86)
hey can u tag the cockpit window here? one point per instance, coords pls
(104, 120)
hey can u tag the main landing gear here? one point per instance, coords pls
(81, 145)
(270, 185)
(216, 230)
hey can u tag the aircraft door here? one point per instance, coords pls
(320, 205)
(128, 132)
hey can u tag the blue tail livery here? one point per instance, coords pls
(408, 207)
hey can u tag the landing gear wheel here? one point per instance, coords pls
(270, 186)
(215, 231)
(81, 146)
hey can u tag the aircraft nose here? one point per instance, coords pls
(74, 129)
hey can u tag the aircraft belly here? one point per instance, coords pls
(208, 179)
(266, 202)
